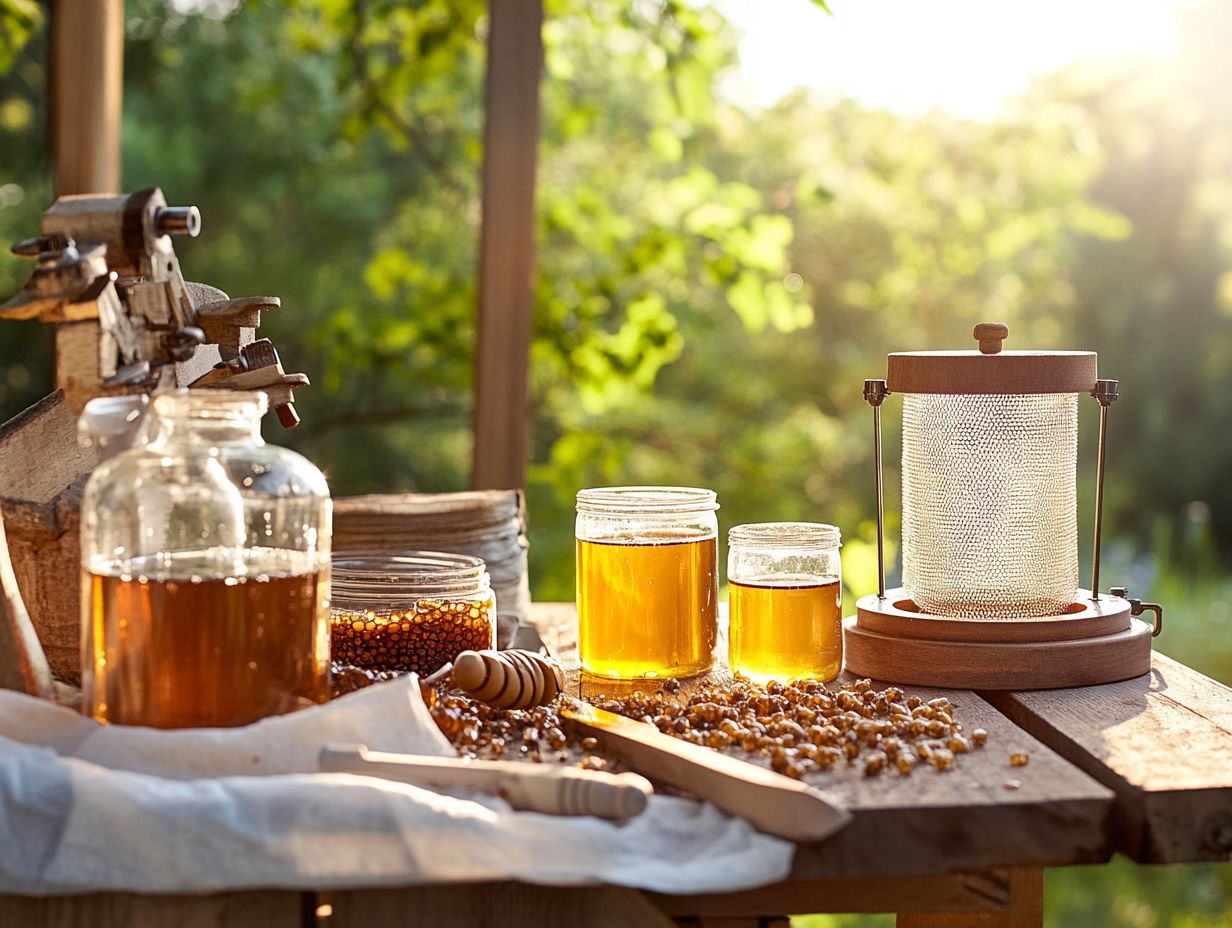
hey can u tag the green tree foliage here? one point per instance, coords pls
(351, 171)
(713, 284)
(25, 189)
(1159, 305)
(19, 19)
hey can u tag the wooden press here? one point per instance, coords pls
(990, 596)
(127, 323)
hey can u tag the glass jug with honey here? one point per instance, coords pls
(205, 570)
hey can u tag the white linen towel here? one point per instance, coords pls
(87, 807)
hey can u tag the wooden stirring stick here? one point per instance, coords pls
(24, 659)
(554, 790)
(771, 802)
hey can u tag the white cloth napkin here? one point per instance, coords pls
(87, 807)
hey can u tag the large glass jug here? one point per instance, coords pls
(205, 562)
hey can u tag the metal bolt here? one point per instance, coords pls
(178, 220)
(1106, 392)
(183, 343)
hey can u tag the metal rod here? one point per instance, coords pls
(1105, 394)
(1099, 501)
(874, 393)
(881, 573)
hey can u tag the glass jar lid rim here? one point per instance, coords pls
(404, 565)
(373, 576)
(637, 499)
(786, 535)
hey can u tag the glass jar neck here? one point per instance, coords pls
(213, 417)
(802, 536)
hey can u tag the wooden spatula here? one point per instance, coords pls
(772, 803)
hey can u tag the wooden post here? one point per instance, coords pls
(507, 245)
(87, 77)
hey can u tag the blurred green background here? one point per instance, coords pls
(715, 279)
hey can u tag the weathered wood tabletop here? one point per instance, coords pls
(1143, 768)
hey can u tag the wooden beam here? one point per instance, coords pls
(1025, 909)
(87, 74)
(249, 909)
(985, 891)
(507, 245)
(509, 905)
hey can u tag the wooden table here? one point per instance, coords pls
(1143, 768)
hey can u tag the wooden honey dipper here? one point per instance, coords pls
(508, 679)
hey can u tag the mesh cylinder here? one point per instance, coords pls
(990, 525)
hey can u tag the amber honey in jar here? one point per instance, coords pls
(647, 581)
(785, 596)
(205, 571)
(172, 648)
(412, 612)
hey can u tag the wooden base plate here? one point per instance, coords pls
(997, 665)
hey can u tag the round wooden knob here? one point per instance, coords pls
(508, 679)
(990, 336)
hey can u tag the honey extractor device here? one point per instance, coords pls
(990, 595)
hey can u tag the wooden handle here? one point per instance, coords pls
(571, 791)
(551, 790)
(771, 802)
(990, 336)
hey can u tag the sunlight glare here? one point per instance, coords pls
(962, 56)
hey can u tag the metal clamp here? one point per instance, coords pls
(1137, 607)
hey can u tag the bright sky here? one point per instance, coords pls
(963, 56)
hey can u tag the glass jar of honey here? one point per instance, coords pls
(205, 562)
(647, 581)
(785, 593)
(412, 612)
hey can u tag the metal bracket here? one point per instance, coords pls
(1137, 607)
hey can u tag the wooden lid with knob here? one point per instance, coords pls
(990, 369)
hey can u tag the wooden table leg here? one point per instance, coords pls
(1025, 909)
